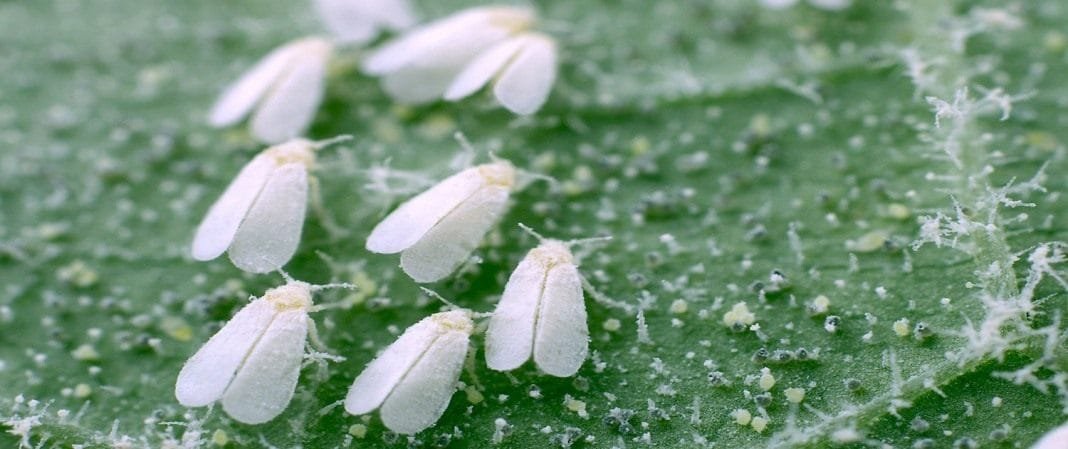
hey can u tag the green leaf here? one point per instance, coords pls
(721, 145)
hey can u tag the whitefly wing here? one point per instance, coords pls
(206, 374)
(561, 340)
(291, 103)
(510, 336)
(240, 97)
(483, 68)
(263, 386)
(380, 377)
(411, 221)
(220, 225)
(269, 236)
(449, 243)
(422, 396)
(525, 83)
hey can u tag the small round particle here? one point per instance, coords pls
(219, 437)
(767, 380)
(358, 430)
(795, 395)
(901, 327)
(611, 325)
(919, 425)
(742, 417)
(739, 317)
(82, 391)
(996, 401)
(819, 306)
(679, 306)
(759, 423)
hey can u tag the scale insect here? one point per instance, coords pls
(437, 230)
(252, 364)
(542, 313)
(457, 55)
(412, 381)
(259, 217)
(285, 88)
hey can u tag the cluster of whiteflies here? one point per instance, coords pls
(449, 59)
(252, 364)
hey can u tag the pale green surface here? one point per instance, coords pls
(102, 131)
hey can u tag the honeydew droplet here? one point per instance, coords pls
(358, 430)
(759, 423)
(739, 316)
(742, 417)
(219, 437)
(611, 325)
(679, 306)
(795, 395)
(901, 327)
(767, 380)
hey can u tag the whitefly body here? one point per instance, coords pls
(259, 217)
(282, 91)
(412, 381)
(541, 315)
(1054, 439)
(455, 56)
(358, 21)
(436, 231)
(252, 364)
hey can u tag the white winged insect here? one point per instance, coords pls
(285, 88)
(260, 216)
(542, 313)
(1054, 439)
(412, 381)
(252, 364)
(437, 230)
(358, 21)
(457, 55)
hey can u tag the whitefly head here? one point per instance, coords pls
(515, 19)
(499, 172)
(553, 252)
(454, 320)
(294, 295)
(296, 151)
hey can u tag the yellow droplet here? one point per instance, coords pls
(679, 306)
(869, 242)
(176, 328)
(473, 395)
(85, 352)
(358, 430)
(897, 211)
(820, 305)
(219, 437)
(640, 145)
(82, 391)
(78, 274)
(576, 406)
(611, 325)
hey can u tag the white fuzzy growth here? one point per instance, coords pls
(285, 88)
(542, 313)
(438, 229)
(414, 378)
(260, 216)
(253, 362)
(360, 20)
